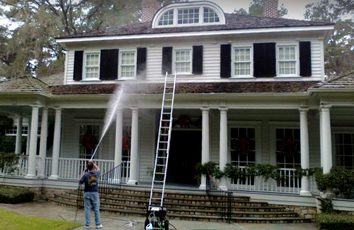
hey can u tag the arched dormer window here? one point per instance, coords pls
(189, 14)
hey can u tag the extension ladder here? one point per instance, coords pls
(163, 142)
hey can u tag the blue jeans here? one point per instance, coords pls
(92, 200)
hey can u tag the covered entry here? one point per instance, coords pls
(185, 153)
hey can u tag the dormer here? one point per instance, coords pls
(189, 14)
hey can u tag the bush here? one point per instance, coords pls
(339, 179)
(334, 221)
(15, 195)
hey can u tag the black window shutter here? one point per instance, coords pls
(166, 60)
(305, 59)
(197, 59)
(264, 59)
(109, 64)
(78, 59)
(225, 60)
(141, 63)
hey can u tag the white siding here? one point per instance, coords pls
(147, 143)
(68, 148)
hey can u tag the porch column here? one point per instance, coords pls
(133, 179)
(305, 156)
(205, 143)
(326, 140)
(43, 143)
(119, 137)
(223, 145)
(56, 145)
(18, 147)
(33, 143)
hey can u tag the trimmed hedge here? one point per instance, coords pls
(15, 195)
(334, 221)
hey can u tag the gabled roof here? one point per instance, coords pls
(193, 88)
(344, 81)
(23, 84)
(233, 22)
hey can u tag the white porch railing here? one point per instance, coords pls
(289, 183)
(20, 169)
(70, 168)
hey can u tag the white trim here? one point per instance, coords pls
(257, 126)
(190, 60)
(189, 5)
(217, 33)
(120, 65)
(233, 61)
(297, 60)
(272, 127)
(84, 77)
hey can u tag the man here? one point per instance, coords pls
(91, 197)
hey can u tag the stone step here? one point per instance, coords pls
(193, 205)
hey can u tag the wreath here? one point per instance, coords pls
(289, 147)
(241, 145)
(126, 142)
(88, 141)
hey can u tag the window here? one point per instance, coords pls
(287, 57)
(243, 147)
(92, 64)
(183, 61)
(127, 64)
(88, 136)
(188, 16)
(210, 16)
(166, 18)
(13, 131)
(242, 61)
(288, 147)
(344, 149)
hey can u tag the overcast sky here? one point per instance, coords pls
(296, 8)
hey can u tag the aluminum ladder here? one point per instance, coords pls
(163, 144)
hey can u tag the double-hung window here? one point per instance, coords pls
(92, 66)
(183, 61)
(127, 64)
(242, 61)
(287, 60)
(288, 147)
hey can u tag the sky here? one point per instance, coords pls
(296, 8)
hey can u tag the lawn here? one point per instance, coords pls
(14, 221)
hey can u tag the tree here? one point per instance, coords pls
(256, 9)
(32, 47)
(339, 53)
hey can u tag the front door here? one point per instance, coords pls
(185, 153)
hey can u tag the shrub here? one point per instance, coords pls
(334, 221)
(339, 179)
(15, 195)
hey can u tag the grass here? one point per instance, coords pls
(14, 221)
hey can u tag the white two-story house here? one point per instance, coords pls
(249, 90)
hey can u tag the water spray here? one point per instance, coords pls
(113, 105)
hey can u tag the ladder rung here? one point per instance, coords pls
(164, 134)
(165, 120)
(165, 127)
(160, 173)
(156, 198)
(162, 157)
(158, 181)
(167, 113)
(160, 165)
(163, 142)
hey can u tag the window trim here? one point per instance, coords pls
(233, 62)
(339, 130)
(297, 61)
(257, 126)
(272, 136)
(84, 77)
(180, 6)
(174, 69)
(120, 75)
